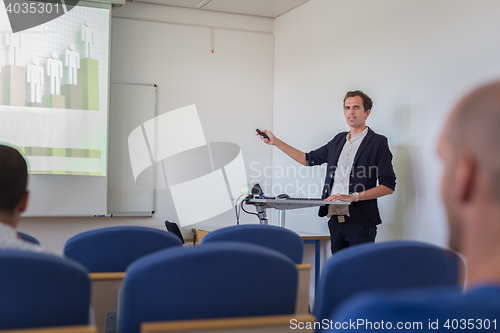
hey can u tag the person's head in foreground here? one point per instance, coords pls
(13, 198)
(470, 188)
(470, 185)
(13, 183)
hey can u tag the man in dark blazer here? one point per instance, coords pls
(359, 170)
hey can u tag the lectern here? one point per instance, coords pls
(282, 204)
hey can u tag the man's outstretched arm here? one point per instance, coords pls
(294, 153)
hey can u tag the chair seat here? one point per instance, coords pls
(395, 265)
(226, 279)
(112, 249)
(280, 239)
(42, 290)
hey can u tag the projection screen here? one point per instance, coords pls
(54, 87)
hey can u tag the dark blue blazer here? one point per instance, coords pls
(372, 163)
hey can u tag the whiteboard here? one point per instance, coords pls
(130, 106)
(66, 195)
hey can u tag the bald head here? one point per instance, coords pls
(474, 127)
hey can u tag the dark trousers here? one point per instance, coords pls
(345, 234)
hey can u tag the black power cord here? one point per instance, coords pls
(238, 212)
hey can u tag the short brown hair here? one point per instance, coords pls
(13, 178)
(367, 101)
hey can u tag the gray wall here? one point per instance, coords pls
(414, 58)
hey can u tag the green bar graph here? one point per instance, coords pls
(74, 96)
(54, 101)
(88, 78)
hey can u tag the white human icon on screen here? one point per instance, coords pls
(88, 38)
(35, 74)
(14, 41)
(55, 71)
(72, 61)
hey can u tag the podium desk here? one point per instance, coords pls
(261, 204)
(309, 238)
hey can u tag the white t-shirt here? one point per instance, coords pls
(10, 241)
(343, 172)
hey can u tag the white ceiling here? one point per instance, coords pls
(264, 8)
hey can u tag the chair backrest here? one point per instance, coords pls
(429, 309)
(28, 238)
(389, 265)
(227, 279)
(42, 290)
(113, 249)
(280, 239)
(174, 228)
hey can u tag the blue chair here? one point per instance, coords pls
(174, 228)
(112, 249)
(280, 239)
(430, 310)
(227, 279)
(28, 238)
(395, 265)
(42, 290)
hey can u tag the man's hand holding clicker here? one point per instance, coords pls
(272, 139)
